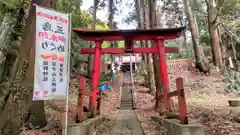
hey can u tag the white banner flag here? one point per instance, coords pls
(51, 58)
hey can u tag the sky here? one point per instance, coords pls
(102, 14)
(124, 11)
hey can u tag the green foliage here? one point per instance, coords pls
(184, 50)
(11, 4)
(102, 4)
(172, 44)
(106, 44)
(104, 77)
(232, 81)
(69, 6)
(12, 18)
(205, 38)
(120, 44)
(230, 10)
(103, 27)
(80, 19)
(228, 13)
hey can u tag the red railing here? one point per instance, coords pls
(181, 101)
(84, 91)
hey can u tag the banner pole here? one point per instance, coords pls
(69, 51)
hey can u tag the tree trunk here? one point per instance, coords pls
(18, 107)
(14, 111)
(154, 24)
(149, 56)
(5, 34)
(184, 43)
(224, 50)
(112, 25)
(232, 50)
(213, 24)
(141, 18)
(94, 18)
(198, 50)
(216, 48)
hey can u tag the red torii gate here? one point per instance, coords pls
(157, 35)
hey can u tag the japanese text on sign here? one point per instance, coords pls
(51, 72)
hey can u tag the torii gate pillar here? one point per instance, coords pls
(163, 73)
(95, 78)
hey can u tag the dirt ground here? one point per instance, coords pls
(145, 110)
(207, 104)
(54, 111)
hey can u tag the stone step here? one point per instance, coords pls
(234, 102)
(126, 105)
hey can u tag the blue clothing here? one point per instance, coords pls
(114, 78)
(102, 87)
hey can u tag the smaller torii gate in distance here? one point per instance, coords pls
(129, 36)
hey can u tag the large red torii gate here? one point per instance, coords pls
(157, 35)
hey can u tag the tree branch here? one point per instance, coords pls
(217, 25)
(216, 17)
(207, 3)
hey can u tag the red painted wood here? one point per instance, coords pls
(80, 114)
(173, 94)
(164, 73)
(182, 101)
(95, 77)
(171, 50)
(129, 36)
(136, 34)
(119, 38)
(103, 51)
(144, 50)
(122, 50)
(155, 50)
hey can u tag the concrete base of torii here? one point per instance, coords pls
(174, 127)
(87, 127)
